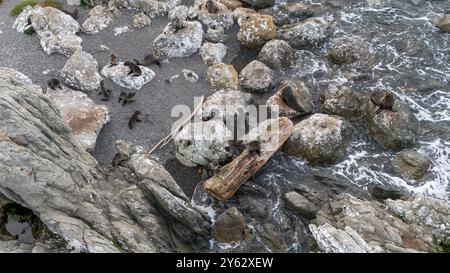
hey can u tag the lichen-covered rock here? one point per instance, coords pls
(342, 101)
(349, 50)
(178, 14)
(229, 226)
(222, 16)
(256, 76)
(84, 117)
(81, 71)
(308, 33)
(225, 103)
(99, 18)
(216, 34)
(56, 30)
(179, 43)
(303, 100)
(222, 76)
(259, 4)
(442, 23)
(320, 139)
(256, 31)
(243, 14)
(213, 53)
(119, 74)
(412, 164)
(203, 143)
(393, 130)
(150, 7)
(141, 20)
(276, 54)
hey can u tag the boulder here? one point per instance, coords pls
(81, 71)
(289, 12)
(56, 30)
(180, 43)
(99, 18)
(84, 117)
(216, 34)
(349, 50)
(241, 15)
(231, 4)
(229, 226)
(222, 76)
(320, 139)
(222, 17)
(393, 130)
(225, 103)
(304, 100)
(119, 75)
(300, 204)
(442, 23)
(213, 53)
(256, 77)
(306, 34)
(333, 240)
(259, 4)
(178, 14)
(412, 164)
(276, 54)
(256, 31)
(150, 7)
(141, 20)
(342, 101)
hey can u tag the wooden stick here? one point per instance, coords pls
(228, 180)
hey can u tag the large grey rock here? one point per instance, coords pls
(81, 71)
(276, 54)
(119, 75)
(300, 204)
(256, 77)
(179, 43)
(150, 7)
(85, 118)
(222, 17)
(226, 103)
(229, 226)
(308, 33)
(393, 130)
(99, 17)
(320, 139)
(56, 30)
(342, 101)
(412, 164)
(136, 207)
(333, 240)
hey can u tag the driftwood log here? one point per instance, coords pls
(228, 180)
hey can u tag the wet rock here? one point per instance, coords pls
(300, 204)
(222, 17)
(231, 4)
(141, 20)
(304, 100)
(119, 74)
(290, 12)
(203, 143)
(81, 71)
(56, 30)
(99, 18)
(253, 200)
(179, 43)
(342, 101)
(412, 164)
(256, 77)
(442, 23)
(216, 34)
(320, 139)
(276, 54)
(229, 226)
(414, 225)
(256, 31)
(150, 7)
(308, 33)
(381, 193)
(272, 236)
(84, 117)
(393, 130)
(349, 50)
(222, 76)
(225, 103)
(259, 4)
(213, 53)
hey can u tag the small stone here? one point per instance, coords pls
(190, 75)
(213, 53)
(342, 101)
(442, 23)
(141, 20)
(222, 76)
(276, 54)
(81, 71)
(256, 31)
(412, 164)
(229, 226)
(256, 76)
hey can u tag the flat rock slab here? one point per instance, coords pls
(119, 75)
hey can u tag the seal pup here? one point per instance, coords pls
(105, 92)
(135, 70)
(149, 60)
(291, 97)
(54, 84)
(113, 61)
(386, 102)
(134, 118)
(126, 98)
(212, 6)
(253, 147)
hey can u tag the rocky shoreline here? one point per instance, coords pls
(294, 203)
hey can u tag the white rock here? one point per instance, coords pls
(119, 75)
(81, 71)
(213, 53)
(99, 18)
